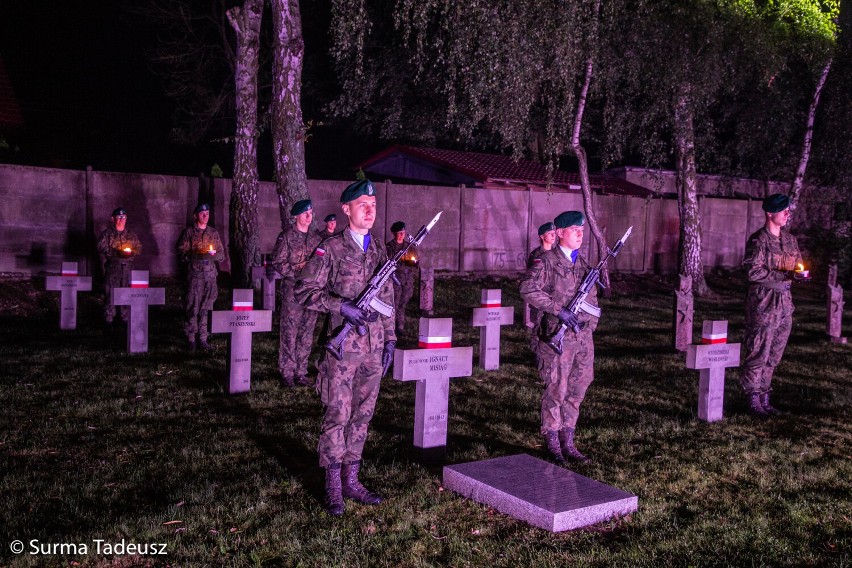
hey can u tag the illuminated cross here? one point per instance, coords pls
(139, 296)
(712, 356)
(69, 283)
(489, 317)
(241, 323)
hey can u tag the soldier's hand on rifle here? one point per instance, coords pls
(387, 356)
(569, 318)
(352, 313)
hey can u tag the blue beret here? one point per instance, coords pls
(300, 207)
(119, 211)
(776, 203)
(546, 227)
(397, 227)
(355, 190)
(201, 207)
(331, 217)
(569, 219)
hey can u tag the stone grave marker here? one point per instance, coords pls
(431, 367)
(267, 284)
(427, 290)
(683, 313)
(139, 296)
(834, 316)
(69, 283)
(712, 356)
(241, 323)
(489, 317)
(538, 492)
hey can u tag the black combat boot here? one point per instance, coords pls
(768, 408)
(551, 441)
(755, 408)
(352, 488)
(569, 450)
(333, 495)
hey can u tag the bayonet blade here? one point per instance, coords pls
(435, 220)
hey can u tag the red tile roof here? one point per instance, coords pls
(10, 112)
(495, 170)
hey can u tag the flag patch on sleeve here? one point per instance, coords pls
(319, 251)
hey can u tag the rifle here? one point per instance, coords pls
(368, 299)
(578, 303)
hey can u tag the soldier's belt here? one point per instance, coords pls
(776, 285)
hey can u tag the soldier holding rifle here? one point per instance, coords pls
(549, 285)
(340, 268)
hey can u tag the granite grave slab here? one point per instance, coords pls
(538, 492)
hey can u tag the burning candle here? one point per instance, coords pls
(127, 250)
(801, 272)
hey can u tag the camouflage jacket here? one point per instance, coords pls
(535, 253)
(292, 250)
(111, 244)
(192, 247)
(339, 270)
(549, 284)
(404, 269)
(769, 259)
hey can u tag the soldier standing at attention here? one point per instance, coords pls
(771, 255)
(336, 273)
(547, 237)
(292, 249)
(200, 247)
(330, 226)
(406, 272)
(548, 285)
(119, 246)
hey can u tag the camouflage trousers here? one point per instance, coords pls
(402, 294)
(566, 378)
(116, 275)
(295, 339)
(200, 295)
(349, 389)
(765, 339)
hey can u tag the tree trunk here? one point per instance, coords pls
(585, 183)
(288, 128)
(243, 207)
(687, 193)
(799, 180)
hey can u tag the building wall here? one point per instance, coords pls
(51, 215)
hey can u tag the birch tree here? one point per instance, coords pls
(246, 22)
(288, 128)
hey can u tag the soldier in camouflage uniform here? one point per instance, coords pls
(547, 237)
(406, 273)
(330, 226)
(292, 249)
(119, 246)
(548, 285)
(336, 273)
(200, 247)
(771, 256)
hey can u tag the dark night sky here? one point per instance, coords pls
(90, 97)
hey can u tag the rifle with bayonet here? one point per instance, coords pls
(368, 300)
(568, 315)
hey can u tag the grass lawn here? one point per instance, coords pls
(100, 445)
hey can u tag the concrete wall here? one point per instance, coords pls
(48, 215)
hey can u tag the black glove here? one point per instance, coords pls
(352, 313)
(387, 356)
(270, 272)
(569, 318)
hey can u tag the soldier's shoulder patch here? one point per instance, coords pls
(537, 261)
(319, 251)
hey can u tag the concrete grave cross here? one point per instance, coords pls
(427, 289)
(69, 283)
(834, 307)
(267, 276)
(241, 323)
(139, 296)
(489, 317)
(432, 366)
(711, 357)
